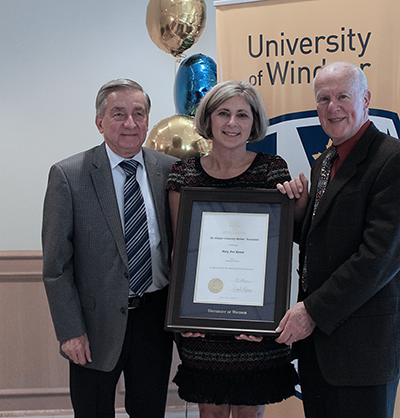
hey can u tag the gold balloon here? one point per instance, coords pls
(175, 25)
(176, 136)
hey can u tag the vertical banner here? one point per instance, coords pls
(279, 45)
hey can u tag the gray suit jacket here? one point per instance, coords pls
(353, 265)
(85, 266)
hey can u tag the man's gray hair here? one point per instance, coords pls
(115, 85)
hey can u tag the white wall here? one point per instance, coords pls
(54, 56)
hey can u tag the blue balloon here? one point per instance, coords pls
(195, 76)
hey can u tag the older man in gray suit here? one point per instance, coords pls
(105, 323)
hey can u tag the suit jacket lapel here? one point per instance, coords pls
(346, 172)
(104, 187)
(157, 184)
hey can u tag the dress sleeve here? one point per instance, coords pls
(275, 170)
(284, 174)
(176, 178)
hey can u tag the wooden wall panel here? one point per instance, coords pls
(33, 376)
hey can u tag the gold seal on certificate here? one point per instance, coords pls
(215, 285)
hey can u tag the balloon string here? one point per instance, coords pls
(177, 62)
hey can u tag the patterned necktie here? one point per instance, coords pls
(321, 187)
(136, 231)
(324, 176)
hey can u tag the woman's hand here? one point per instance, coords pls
(253, 338)
(192, 334)
(296, 189)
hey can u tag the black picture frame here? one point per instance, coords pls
(184, 310)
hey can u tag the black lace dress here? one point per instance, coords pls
(219, 369)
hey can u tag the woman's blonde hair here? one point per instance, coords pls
(224, 91)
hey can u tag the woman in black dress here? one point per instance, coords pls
(238, 374)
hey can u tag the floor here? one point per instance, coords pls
(176, 414)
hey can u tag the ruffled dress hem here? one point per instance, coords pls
(249, 388)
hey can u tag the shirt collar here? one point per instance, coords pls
(115, 159)
(345, 148)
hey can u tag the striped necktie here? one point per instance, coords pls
(136, 231)
(321, 187)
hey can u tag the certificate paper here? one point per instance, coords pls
(231, 263)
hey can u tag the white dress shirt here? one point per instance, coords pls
(158, 269)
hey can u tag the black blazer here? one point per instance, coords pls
(353, 253)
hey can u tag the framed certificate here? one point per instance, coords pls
(231, 270)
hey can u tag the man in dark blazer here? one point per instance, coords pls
(347, 323)
(104, 328)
